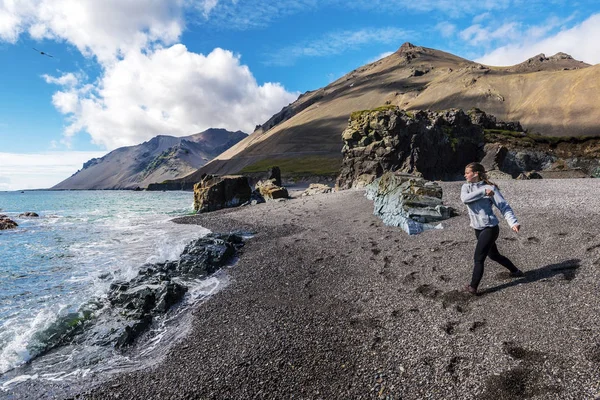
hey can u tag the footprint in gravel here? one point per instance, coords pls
(429, 291)
(476, 325)
(410, 278)
(562, 234)
(593, 354)
(444, 278)
(523, 381)
(510, 239)
(457, 298)
(532, 240)
(450, 327)
(594, 247)
(451, 367)
(520, 353)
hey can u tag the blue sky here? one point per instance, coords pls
(123, 71)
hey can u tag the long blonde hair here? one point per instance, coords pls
(481, 173)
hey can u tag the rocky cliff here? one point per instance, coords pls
(159, 159)
(438, 145)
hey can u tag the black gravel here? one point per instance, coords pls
(328, 303)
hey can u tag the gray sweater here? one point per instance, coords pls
(481, 213)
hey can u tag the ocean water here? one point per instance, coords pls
(82, 242)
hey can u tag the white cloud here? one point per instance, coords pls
(579, 41)
(477, 35)
(148, 84)
(41, 170)
(379, 57)
(207, 6)
(336, 43)
(68, 79)
(446, 28)
(169, 91)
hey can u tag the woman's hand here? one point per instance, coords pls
(516, 228)
(489, 192)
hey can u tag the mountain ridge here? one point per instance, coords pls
(553, 96)
(161, 158)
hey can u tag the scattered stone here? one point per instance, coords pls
(271, 191)
(28, 214)
(529, 175)
(317, 188)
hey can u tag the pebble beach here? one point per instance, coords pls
(326, 302)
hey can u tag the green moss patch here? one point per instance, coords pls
(357, 114)
(298, 166)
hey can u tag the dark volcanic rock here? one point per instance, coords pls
(7, 223)
(435, 145)
(275, 175)
(132, 306)
(216, 192)
(28, 214)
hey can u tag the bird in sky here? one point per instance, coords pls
(43, 53)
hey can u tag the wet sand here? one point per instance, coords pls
(326, 302)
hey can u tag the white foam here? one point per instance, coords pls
(18, 379)
(16, 351)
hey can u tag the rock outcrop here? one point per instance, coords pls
(132, 306)
(434, 145)
(154, 290)
(7, 223)
(409, 202)
(216, 192)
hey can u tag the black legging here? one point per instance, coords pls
(486, 247)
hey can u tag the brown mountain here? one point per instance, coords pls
(159, 159)
(554, 96)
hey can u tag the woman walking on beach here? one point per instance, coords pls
(479, 194)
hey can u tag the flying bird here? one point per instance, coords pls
(43, 53)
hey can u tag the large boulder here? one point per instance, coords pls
(407, 201)
(217, 192)
(269, 190)
(434, 145)
(7, 223)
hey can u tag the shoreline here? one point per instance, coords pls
(327, 302)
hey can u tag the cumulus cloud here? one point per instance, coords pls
(477, 34)
(578, 41)
(148, 84)
(41, 170)
(169, 91)
(336, 43)
(446, 28)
